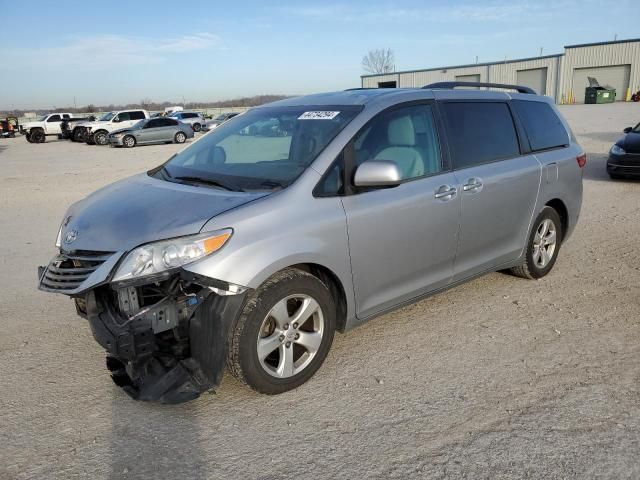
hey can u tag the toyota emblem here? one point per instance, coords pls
(71, 236)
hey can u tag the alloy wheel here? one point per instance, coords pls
(290, 336)
(544, 243)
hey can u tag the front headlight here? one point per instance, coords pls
(59, 238)
(161, 256)
(616, 150)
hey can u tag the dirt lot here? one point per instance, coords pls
(499, 378)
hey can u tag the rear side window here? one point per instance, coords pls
(479, 132)
(544, 129)
(136, 115)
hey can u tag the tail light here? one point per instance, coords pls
(582, 160)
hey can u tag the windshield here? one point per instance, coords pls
(265, 148)
(107, 116)
(42, 118)
(636, 129)
(221, 117)
(138, 125)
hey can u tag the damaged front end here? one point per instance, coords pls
(165, 336)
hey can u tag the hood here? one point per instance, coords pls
(630, 142)
(93, 124)
(28, 125)
(122, 130)
(141, 209)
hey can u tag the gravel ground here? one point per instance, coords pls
(499, 378)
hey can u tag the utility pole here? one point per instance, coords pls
(74, 103)
(476, 59)
(541, 48)
(615, 37)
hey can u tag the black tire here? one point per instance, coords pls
(101, 137)
(531, 269)
(79, 135)
(243, 359)
(197, 127)
(129, 141)
(37, 136)
(28, 137)
(616, 176)
(180, 137)
(88, 138)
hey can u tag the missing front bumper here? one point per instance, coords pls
(170, 351)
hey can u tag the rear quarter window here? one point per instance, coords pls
(479, 132)
(543, 126)
(136, 115)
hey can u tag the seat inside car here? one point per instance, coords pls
(401, 148)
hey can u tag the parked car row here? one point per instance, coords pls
(125, 128)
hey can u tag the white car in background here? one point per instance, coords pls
(195, 119)
(45, 126)
(97, 132)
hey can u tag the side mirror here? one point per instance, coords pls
(377, 173)
(628, 129)
(116, 120)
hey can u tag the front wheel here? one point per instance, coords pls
(79, 135)
(129, 141)
(197, 127)
(37, 136)
(542, 247)
(180, 137)
(284, 332)
(28, 137)
(101, 138)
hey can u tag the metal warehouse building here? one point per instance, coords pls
(562, 76)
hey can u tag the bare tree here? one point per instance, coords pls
(379, 61)
(145, 103)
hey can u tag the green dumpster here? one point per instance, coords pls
(598, 94)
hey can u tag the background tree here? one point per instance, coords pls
(145, 103)
(379, 61)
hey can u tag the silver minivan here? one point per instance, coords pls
(252, 246)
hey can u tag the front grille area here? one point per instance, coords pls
(67, 271)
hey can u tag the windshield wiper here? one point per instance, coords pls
(273, 184)
(213, 183)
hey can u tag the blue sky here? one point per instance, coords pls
(118, 52)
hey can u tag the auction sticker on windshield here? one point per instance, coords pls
(319, 115)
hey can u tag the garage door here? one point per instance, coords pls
(468, 78)
(535, 78)
(616, 76)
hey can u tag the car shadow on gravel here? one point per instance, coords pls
(147, 449)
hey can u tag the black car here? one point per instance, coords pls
(624, 156)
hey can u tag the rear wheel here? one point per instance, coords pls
(542, 247)
(197, 127)
(180, 137)
(101, 137)
(129, 141)
(284, 332)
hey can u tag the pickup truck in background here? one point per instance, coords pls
(97, 132)
(45, 126)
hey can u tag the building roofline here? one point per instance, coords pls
(630, 40)
(485, 64)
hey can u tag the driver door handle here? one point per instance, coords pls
(445, 192)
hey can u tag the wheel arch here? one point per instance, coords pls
(559, 206)
(332, 281)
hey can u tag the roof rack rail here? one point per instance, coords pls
(452, 85)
